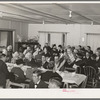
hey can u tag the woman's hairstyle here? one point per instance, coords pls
(79, 55)
(51, 65)
(19, 61)
(60, 46)
(93, 56)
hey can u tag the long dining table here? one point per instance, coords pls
(72, 77)
(68, 77)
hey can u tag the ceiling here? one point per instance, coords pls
(52, 13)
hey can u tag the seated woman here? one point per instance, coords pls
(54, 52)
(15, 57)
(50, 73)
(79, 63)
(60, 63)
(46, 51)
(9, 53)
(93, 62)
(98, 58)
(44, 62)
(87, 59)
(60, 51)
(18, 72)
(36, 52)
(70, 55)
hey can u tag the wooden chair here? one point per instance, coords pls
(90, 72)
(13, 84)
(84, 83)
(73, 85)
(79, 70)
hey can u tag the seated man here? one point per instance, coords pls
(29, 61)
(18, 72)
(49, 74)
(28, 49)
(55, 82)
(36, 80)
(4, 73)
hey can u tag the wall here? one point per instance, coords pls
(75, 31)
(3, 38)
(20, 28)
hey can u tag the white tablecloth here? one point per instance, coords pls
(10, 66)
(72, 77)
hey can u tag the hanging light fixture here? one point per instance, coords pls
(70, 14)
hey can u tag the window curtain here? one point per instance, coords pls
(3, 38)
(10, 38)
(93, 40)
(42, 39)
(63, 39)
(56, 38)
(49, 39)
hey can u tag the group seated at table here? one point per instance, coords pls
(50, 67)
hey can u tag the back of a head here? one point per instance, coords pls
(60, 46)
(56, 82)
(79, 55)
(19, 61)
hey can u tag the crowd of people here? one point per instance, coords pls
(52, 58)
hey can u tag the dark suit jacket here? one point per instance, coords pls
(4, 73)
(31, 63)
(18, 71)
(41, 84)
(98, 62)
(45, 65)
(87, 61)
(49, 74)
(80, 63)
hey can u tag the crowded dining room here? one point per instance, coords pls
(49, 45)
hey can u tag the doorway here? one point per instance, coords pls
(6, 38)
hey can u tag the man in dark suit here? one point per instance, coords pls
(29, 61)
(36, 80)
(4, 73)
(18, 72)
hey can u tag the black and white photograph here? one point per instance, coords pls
(52, 45)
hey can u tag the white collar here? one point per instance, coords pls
(38, 82)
